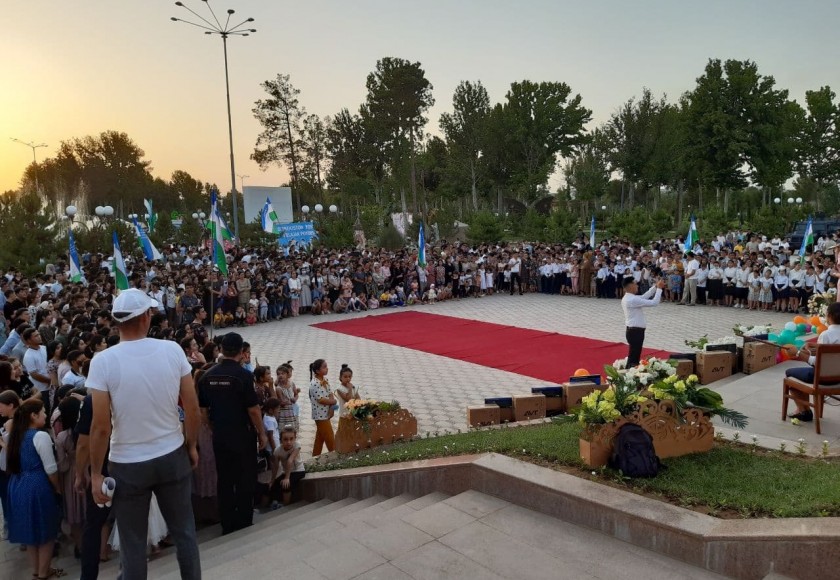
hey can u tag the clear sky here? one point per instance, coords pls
(70, 69)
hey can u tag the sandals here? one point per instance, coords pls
(53, 573)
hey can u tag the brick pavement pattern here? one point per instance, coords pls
(438, 389)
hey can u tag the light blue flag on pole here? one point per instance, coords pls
(807, 239)
(592, 233)
(421, 246)
(691, 238)
(75, 263)
(149, 249)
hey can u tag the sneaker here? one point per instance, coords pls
(275, 505)
(806, 415)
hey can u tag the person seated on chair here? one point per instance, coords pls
(806, 374)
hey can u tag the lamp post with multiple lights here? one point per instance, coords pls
(216, 27)
(32, 145)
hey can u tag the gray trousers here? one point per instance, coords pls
(690, 292)
(170, 478)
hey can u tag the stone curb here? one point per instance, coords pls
(745, 549)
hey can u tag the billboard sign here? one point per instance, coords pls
(301, 232)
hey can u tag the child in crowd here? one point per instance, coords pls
(272, 431)
(323, 400)
(347, 391)
(288, 394)
(287, 457)
(251, 319)
(263, 307)
(221, 319)
(240, 316)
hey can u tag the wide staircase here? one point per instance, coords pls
(465, 536)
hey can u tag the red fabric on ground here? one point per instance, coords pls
(548, 356)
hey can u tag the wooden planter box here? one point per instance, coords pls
(671, 437)
(383, 429)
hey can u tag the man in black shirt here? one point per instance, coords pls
(95, 517)
(229, 403)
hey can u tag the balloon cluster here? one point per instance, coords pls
(794, 335)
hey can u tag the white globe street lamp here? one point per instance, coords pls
(319, 208)
(70, 210)
(777, 200)
(304, 210)
(798, 200)
(333, 209)
(790, 200)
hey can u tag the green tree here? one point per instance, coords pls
(485, 228)
(190, 193)
(547, 121)
(464, 129)
(398, 97)
(280, 115)
(314, 145)
(29, 231)
(819, 141)
(629, 140)
(587, 173)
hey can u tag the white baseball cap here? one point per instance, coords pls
(131, 303)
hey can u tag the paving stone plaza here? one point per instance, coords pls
(438, 389)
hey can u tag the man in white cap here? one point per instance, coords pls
(136, 387)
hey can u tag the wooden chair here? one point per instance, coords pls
(826, 383)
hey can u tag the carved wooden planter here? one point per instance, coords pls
(383, 429)
(671, 437)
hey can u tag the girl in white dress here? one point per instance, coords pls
(156, 533)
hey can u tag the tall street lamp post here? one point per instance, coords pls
(216, 27)
(32, 145)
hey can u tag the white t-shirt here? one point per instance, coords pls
(515, 264)
(36, 361)
(270, 425)
(143, 378)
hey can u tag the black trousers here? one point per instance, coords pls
(95, 518)
(635, 339)
(515, 279)
(236, 477)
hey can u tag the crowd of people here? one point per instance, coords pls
(68, 350)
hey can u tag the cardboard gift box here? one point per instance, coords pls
(713, 366)
(732, 348)
(574, 392)
(759, 356)
(553, 399)
(505, 405)
(528, 407)
(483, 416)
(685, 367)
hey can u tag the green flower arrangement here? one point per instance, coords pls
(686, 393)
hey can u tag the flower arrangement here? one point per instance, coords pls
(818, 303)
(751, 330)
(686, 393)
(601, 407)
(363, 409)
(704, 341)
(646, 372)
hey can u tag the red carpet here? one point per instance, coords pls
(547, 356)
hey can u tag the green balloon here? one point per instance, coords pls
(787, 337)
(800, 329)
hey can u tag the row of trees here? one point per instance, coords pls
(734, 130)
(722, 150)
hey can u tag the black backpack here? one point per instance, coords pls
(633, 453)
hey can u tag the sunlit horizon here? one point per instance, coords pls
(73, 70)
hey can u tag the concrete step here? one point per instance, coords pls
(244, 542)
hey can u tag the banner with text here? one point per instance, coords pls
(301, 233)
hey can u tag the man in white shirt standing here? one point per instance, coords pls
(35, 363)
(634, 316)
(691, 267)
(515, 269)
(135, 387)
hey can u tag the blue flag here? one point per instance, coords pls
(149, 249)
(421, 247)
(75, 263)
(592, 233)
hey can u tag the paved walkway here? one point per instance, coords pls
(438, 389)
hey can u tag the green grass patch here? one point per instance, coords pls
(729, 481)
